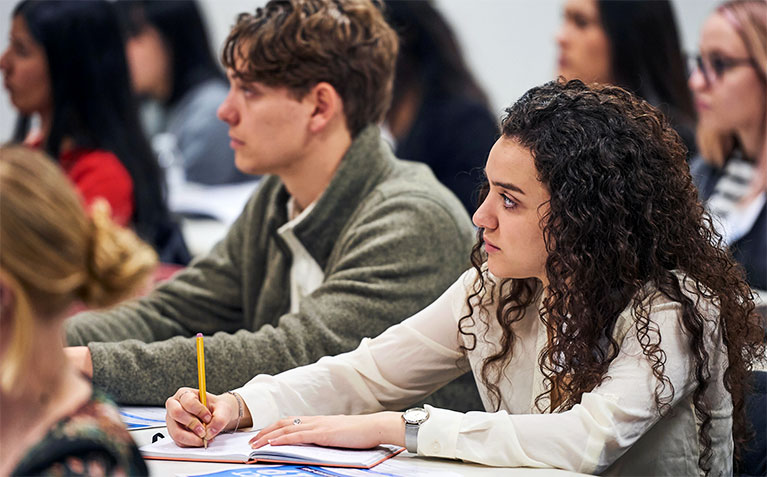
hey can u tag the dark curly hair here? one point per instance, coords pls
(623, 214)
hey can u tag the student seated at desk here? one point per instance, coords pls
(340, 242)
(52, 256)
(608, 330)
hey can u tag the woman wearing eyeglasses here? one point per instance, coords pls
(729, 83)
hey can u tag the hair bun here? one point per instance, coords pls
(118, 261)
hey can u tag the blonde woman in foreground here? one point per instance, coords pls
(53, 255)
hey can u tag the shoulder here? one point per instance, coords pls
(413, 187)
(93, 438)
(664, 311)
(93, 161)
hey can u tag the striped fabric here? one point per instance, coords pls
(732, 217)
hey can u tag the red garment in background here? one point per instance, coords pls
(98, 173)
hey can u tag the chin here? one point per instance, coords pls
(497, 270)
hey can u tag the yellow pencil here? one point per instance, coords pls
(201, 378)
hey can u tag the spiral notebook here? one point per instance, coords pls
(234, 448)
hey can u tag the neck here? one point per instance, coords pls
(42, 373)
(46, 122)
(752, 140)
(28, 415)
(307, 179)
(50, 389)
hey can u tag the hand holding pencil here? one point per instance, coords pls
(195, 417)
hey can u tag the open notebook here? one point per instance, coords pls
(235, 448)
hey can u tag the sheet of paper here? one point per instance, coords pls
(223, 202)
(142, 417)
(223, 446)
(235, 447)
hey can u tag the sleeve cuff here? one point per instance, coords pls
(262, 407)
(438, 436)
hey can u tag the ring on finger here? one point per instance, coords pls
(296, 421)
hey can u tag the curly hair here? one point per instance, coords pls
(299, 43)
(623, 214)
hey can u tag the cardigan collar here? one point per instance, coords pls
(367, 160)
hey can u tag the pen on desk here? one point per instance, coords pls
(201, 378)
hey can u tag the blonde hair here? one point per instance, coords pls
(749, 19)
(53, 254)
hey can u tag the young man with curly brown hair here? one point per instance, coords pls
(341, 241)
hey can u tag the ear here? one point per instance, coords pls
(327, 106)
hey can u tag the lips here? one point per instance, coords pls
(701, 105)
(234, 142)
(490, 247)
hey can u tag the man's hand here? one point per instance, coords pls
(80, 358)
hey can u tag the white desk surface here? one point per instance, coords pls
(171, 468)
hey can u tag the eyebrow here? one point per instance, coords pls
(508, 185)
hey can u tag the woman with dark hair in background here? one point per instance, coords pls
(66, 64)
(439, 114)
(171, 62)
(633, 44)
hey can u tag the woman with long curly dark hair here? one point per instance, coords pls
(609, 330)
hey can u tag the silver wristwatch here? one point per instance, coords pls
(413, 418)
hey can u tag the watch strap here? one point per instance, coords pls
(411, 437)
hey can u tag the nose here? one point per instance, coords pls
(697, 80)
(562, 34)
(484, 217)
(227, 112)
(5, 61)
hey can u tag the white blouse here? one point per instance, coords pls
(616, 428)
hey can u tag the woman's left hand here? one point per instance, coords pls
(356, 432)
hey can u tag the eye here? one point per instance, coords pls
(508, 202)
(719, 65)
(580, 21)
(19, 48)
(247, 91)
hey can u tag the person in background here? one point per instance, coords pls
(729, 82)
(439, 113)
(633, 44)
(53, 255)
(609, 331)
(65, 63)
(171, 62)
(341, 241)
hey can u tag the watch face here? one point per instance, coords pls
(416, 415)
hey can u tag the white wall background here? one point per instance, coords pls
(508, 43)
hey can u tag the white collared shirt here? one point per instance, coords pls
(305, 273)
(615, 429)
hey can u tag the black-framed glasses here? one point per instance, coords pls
(713, 67)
